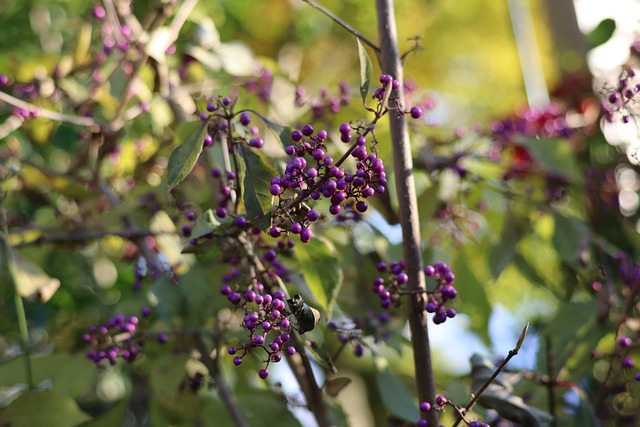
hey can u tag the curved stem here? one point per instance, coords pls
(390, 63)
(343, 24)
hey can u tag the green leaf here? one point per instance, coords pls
(169, 298)
(395, 396)
(43, 408)
(184, 157)
(321, 270)
(584, 415)
(282, 133)
(574, 332)
(570, 236)
(333, 386)
(114, 416)
(209, 223)
(262, 408)
(71, 375)
(257, 181)
(473, 298)
(500, 256)
(602, 33)
(555, 156)
(365, 71)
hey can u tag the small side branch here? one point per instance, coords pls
(495, 374)
(343, 24)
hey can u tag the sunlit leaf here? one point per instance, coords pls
(207, 223)
(30, 280)
(282, 133)
(365, 71)
(184, 157)
(159, 41)
(255, 190)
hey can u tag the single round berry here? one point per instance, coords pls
(305, 235)
(425, 406)
(231, 350)
(296, 228)
(208, 140)
(416, 112)
(345, 128)
(441, 400)
(221, 212)
(385, 79)
(307, 130)
(422, 423)
(237, 361)
(162, 338)
(245, 118)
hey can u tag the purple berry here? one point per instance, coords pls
(237, 360)
(425, 406)
(307, 130)
(416, 112)
(245, 118)
(162, 338)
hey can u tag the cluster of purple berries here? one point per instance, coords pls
(391, 289)
(312, 174)
(266, 319)
(621, 100)
(260, 85)
(120, 337)
(443, 292)
(326, 102)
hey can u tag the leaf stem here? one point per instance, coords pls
(23, 326)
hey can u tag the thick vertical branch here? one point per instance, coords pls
(408, 209)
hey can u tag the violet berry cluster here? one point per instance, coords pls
(391, 288)
(621, 100)
(325, 102)
(266, 319)
(312, 174)
(121, 337)
(444, 292)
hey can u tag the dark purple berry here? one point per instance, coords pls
(425, 406)
(245, 118)
(416, 112)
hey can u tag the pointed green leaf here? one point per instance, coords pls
(365, 71)
(602, 33)
(321, 270)
(395, 396)
(255, 190)
(282, 133)
(209, 223)
(43, 408)
(184, 157)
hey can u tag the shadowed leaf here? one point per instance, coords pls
(184, 157)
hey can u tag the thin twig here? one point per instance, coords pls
(495, 374)
(343, 24)
(225, 392)
(551, 374)
(67, 236)
(49, 114)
